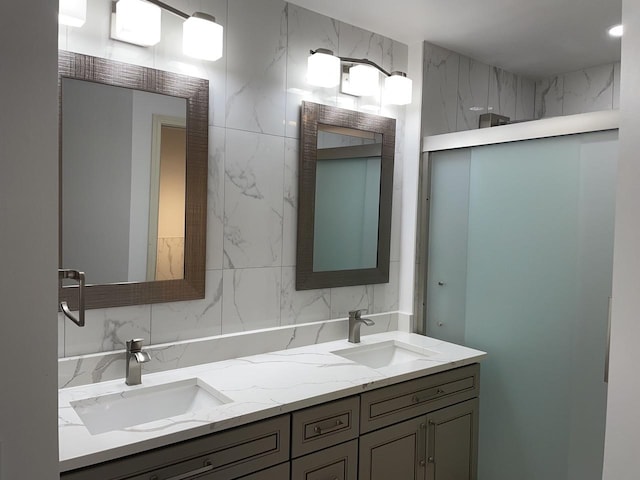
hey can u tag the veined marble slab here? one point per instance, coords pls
(105, 366)
(260, 386)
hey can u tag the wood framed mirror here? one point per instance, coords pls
(345, 190)
(133, 150)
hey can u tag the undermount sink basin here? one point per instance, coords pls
(129, 408)
(385, 354)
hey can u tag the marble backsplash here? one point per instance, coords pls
(100, 367)
(255, 93)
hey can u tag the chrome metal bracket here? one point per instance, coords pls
(79, 277)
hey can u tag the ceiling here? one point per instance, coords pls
(536, 38)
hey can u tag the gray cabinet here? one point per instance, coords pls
(439, 446)
(328, 424)
(279, 472)
(396, 452)
(324, 443)
(389, 405)
(336, 463)
(227, 455)
(452, 436)
(422, 429)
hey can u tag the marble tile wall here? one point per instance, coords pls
(589, 90)
(255, 94)
(458, 89)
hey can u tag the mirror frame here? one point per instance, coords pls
(312, 115)
(196, 93)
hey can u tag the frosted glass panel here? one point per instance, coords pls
(521, 294)
(538, 255)
(346, 214)
(447, 262)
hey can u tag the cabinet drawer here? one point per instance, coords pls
(325, 425)
(394, 404)
(226, 455)
(280, 472)
(336, 463)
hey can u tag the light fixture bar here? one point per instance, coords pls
(364, 61)
(169, 9)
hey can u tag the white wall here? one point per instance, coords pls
(622, 440)
(28, 240)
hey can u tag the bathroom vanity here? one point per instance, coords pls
(396, 406)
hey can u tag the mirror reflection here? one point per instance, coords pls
(123, 170)
(347, 199)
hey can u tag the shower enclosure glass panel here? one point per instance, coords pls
(519, 265)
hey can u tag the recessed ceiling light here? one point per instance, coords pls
(616, 31)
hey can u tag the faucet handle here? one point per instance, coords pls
(135, 345)
(357, 313)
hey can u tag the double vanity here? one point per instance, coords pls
(397, 405)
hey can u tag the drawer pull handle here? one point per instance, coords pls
(320, 430)
(183, 476)
(418, 399)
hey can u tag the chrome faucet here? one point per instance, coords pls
(355, 322)
(135, 358)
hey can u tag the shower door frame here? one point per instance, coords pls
(529, 130)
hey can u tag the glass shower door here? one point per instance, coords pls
(519, 265)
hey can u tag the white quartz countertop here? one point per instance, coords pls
(260, 386)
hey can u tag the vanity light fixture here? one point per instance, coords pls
(72, 12)
(397, 89)
(138, 22)
(202, 37)
(359, 77)
(616, 30)
(363, 81)
(323, 68)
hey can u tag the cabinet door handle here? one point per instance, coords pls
(431, 441)
(418, 399)
(422, 447)
(320, 430)
(183, 476)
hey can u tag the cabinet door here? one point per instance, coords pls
(396, 452)
(336, 463)
(452, 442)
